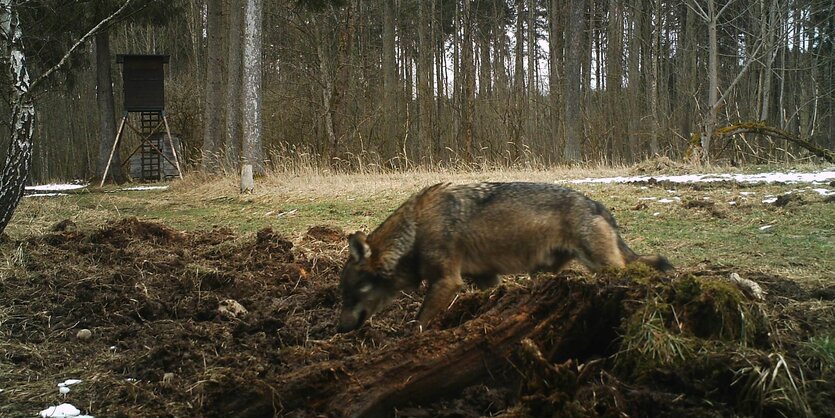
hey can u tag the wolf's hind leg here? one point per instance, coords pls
(441, 294)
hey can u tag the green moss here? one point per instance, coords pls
(716, 309)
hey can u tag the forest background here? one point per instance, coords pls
(396, 84)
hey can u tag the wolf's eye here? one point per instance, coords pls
(365, 288)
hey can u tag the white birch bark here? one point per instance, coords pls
(19, 154)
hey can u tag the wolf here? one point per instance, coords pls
(446, 233)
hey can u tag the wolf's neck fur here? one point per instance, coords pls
(393, 239)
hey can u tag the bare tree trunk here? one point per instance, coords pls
(389, 97)
(687, 71)
(468, 68)
(212, 119)
(531, 89)
(342, 79)
(614, 79)
(253, 149)
(234, 63)
(106, 110)
(654, 56)
(425, 97)
(19, 154)
(633, 151)
(572, 99)
(713, 83)
(555, 42)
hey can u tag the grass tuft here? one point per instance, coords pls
(772, 384)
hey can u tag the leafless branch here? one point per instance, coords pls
(78, 43)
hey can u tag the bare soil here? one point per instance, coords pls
(161, 346)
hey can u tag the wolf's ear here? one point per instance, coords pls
(358, 247)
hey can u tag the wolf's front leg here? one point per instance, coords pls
(441, 293)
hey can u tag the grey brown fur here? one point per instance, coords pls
(446, 233)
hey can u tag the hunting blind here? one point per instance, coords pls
(143, 88)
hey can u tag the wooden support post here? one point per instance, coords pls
(113, 151)
(171, 144)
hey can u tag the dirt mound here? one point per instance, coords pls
(325, 233)
(658, 165)
(120, 233)
(215, 324)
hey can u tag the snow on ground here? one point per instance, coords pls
(65, 410)
(52, 190)
(143, 188)
(45, 194)
(788, 177)
(55, 187)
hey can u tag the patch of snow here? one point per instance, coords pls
(44, 194)
(747, 193)
(647, 198)
(665, 200)
(790, 177)
(69, 382)
(769, 200)
(55, 187)
(64, 410)
(143, 188)
(656, 213)
(764, 227)
(824, 192)
(64, 390)
(731, 202)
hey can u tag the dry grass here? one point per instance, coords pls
(322, 184)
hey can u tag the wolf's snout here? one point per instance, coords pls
(350, 321)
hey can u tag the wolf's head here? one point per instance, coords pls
(364, 290)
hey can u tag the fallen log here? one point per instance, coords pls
(763, 129)
(564, 318)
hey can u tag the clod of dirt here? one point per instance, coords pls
(231, 309)
(84, 334)
(274, 244)
(784, 200)
(122, 232)
(326, 233)
(707, 205)
(640, 206)
(661, 164)
(65, 225)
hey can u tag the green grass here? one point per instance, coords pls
(800, 243)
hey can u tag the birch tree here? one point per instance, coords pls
(19, 155)
(19, 92)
